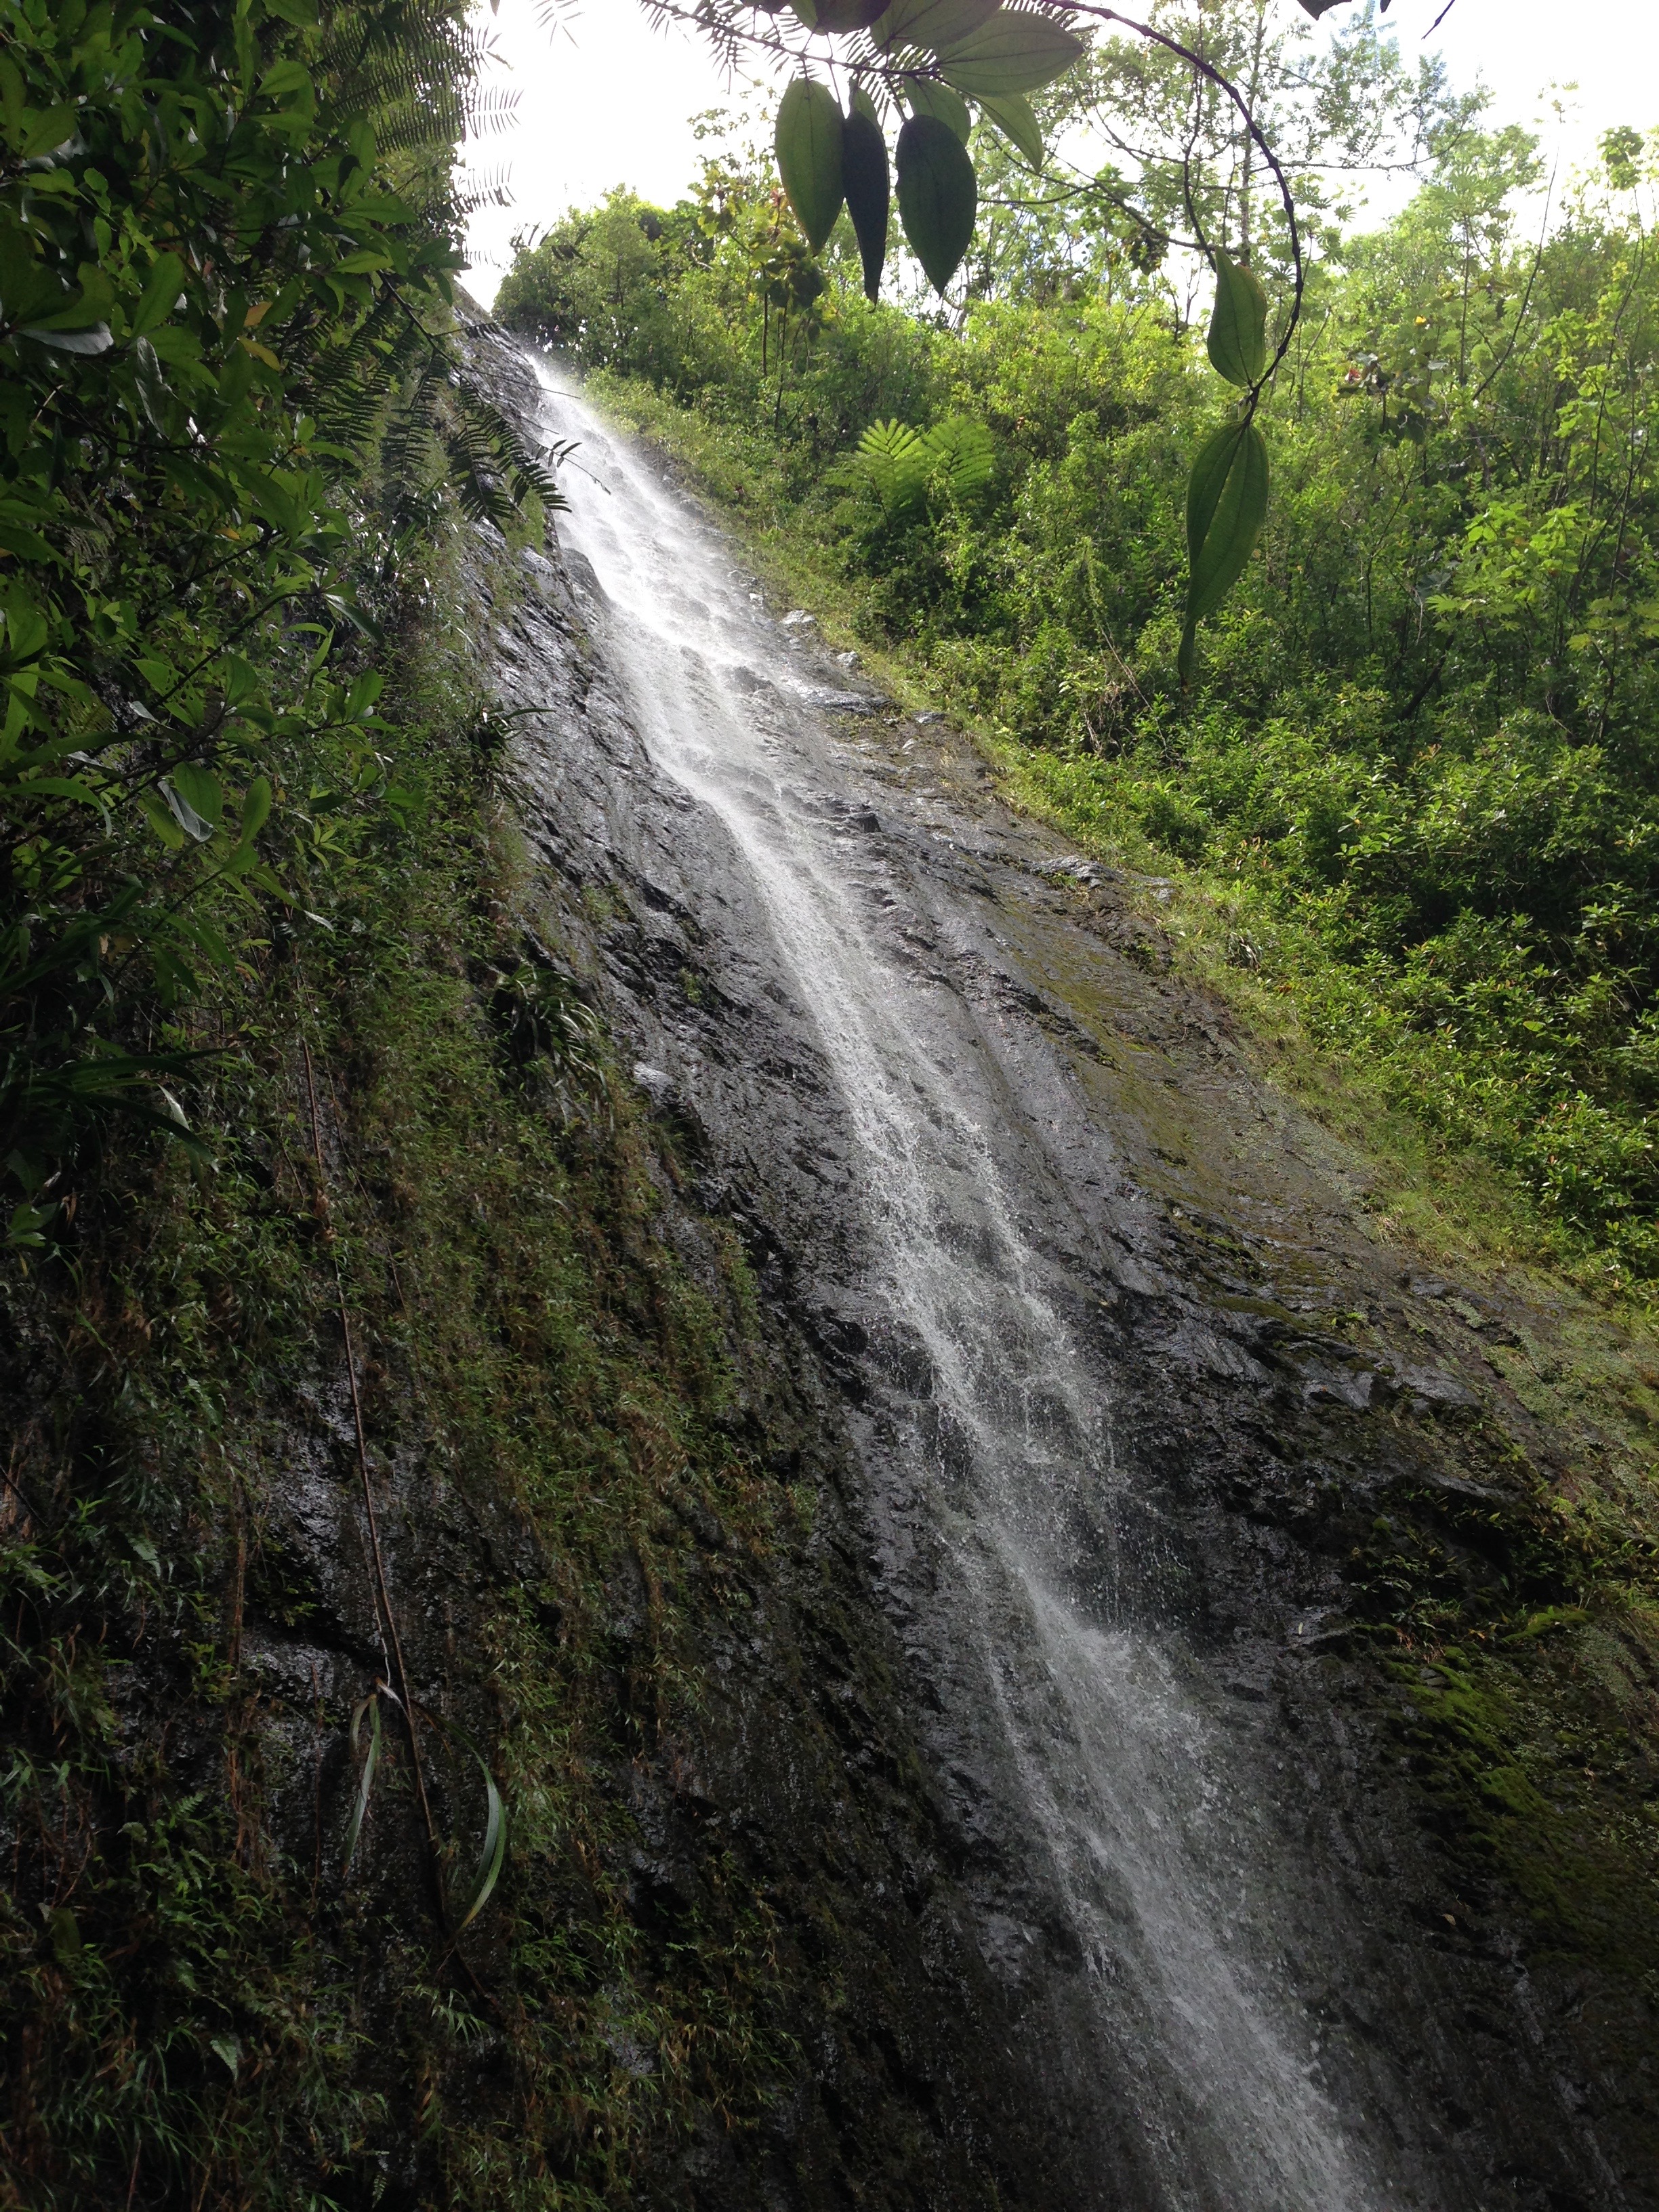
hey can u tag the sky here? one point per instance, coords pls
(606, 100)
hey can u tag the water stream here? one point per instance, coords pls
(1193, 1935)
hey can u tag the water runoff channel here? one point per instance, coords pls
(1170, 1877)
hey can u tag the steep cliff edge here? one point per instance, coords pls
(521, 1360)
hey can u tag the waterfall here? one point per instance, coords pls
(1194, 1936)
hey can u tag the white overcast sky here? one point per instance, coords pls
(608, 101)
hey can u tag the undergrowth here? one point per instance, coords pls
(202, 2006)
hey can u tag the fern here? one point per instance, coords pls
(893, 460)
(963, 458)
(953, 464)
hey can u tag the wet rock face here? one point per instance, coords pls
(1055, 1751)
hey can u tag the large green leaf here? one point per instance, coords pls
(931, 24)
(1013, 115)
(863, 105)
(201, 791)
(938, 196)
(809, 148)
(1227, 505)
(1237, 340)
(837, 14)
(1014, 51)
(162, 290)
(925, 95)
(869, 193)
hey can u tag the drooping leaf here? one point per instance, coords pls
(95, 340)
(1227, 505)
(938, 196)
(201, 791)
(371, 1705)
(925, 95)
(861, 104)
(808, 140)
(1237, 340)
(256, 809)
(1014, 51)
(1013, 115)
(869, 193)
(192, 823)
(160, 820)
(493, 1852)
(931, 24)
(162, 290)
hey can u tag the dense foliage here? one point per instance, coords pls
(228, 232)
(1420, 745)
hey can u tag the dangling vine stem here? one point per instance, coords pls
(386, 1620)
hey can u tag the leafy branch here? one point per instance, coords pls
(927, 60)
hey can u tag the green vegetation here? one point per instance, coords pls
(1413, 774)
(1403, 805)
(227, 239)
(378, 1470)
(321, 1186)
(201, 2002)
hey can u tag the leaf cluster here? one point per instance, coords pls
(923, 61)
(228, 242)
(954, 460)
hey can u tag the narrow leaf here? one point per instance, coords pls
(256, 809)
(938, 196)
(809, 150)
(370, 1705)
(493, 1852)
(1227, 505)
(1237, 341)
(869, 193)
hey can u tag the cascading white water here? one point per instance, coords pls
(1159, 1848)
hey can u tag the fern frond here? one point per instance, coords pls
(893, 459)
(963, 458)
